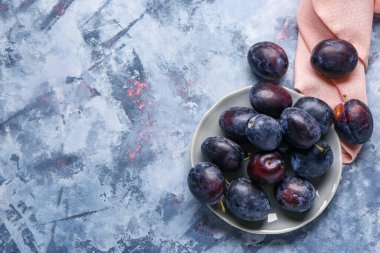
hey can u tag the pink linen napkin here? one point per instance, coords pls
(350, 20)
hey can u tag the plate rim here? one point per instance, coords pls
(255, 231)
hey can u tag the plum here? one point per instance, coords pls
(234, 120)
(264, 132)
(353, 121)
(295, 194)
(334, 58)
(299, 128)
(206, 182)
(312, 162)
(247, 201)
(266, 168)
(319, 110)
(223, 152)
(269, 98)
(268, 60)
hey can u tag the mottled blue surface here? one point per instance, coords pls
(98, 103)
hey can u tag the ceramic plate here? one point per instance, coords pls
(278, 220)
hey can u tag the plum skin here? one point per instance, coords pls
(353, 121)
(233, 122)
(268, 60)
(334, 58)
(264, 132)
(299, 128)
(295, 194)
(317, 108)
(247, 201)
(269, 98)
(223, 152)
(312, 162)
(206, 182)
(266, 168)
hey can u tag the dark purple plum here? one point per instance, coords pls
(206, 182)
(263, 132)
(353, 121)
(295, 194)
(300, 129)
(268, 60)
(247, 201)
(234, 120)
(319, 110)
(266, 168)
(334, 58)
(269, 98)
(312, 162)
(226, 154)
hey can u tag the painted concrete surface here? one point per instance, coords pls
(98, 103)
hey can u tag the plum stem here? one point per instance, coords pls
(225, 180)
(319, 148)
(222, 205)
(344, 98)
(248, 157)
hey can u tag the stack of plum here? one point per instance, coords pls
(276, 129)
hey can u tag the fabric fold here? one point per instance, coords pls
(325, 19)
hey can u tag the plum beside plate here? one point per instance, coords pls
(277, 221)
(268, 60)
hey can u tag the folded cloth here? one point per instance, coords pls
(350, 20)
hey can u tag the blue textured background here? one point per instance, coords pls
(98, 103)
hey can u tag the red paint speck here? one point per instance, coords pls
(59, 9)
(137, 88)
(84, 86)
(45, 99)
(138, 92)
(135, 91)
(87, 87)
(3, 8)
(130, 92)
(139, 84)
(176, 202)
(59, 164)
(203, 227)
(132, 156)
(283, 34)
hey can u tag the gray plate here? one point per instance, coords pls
(278, 220)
